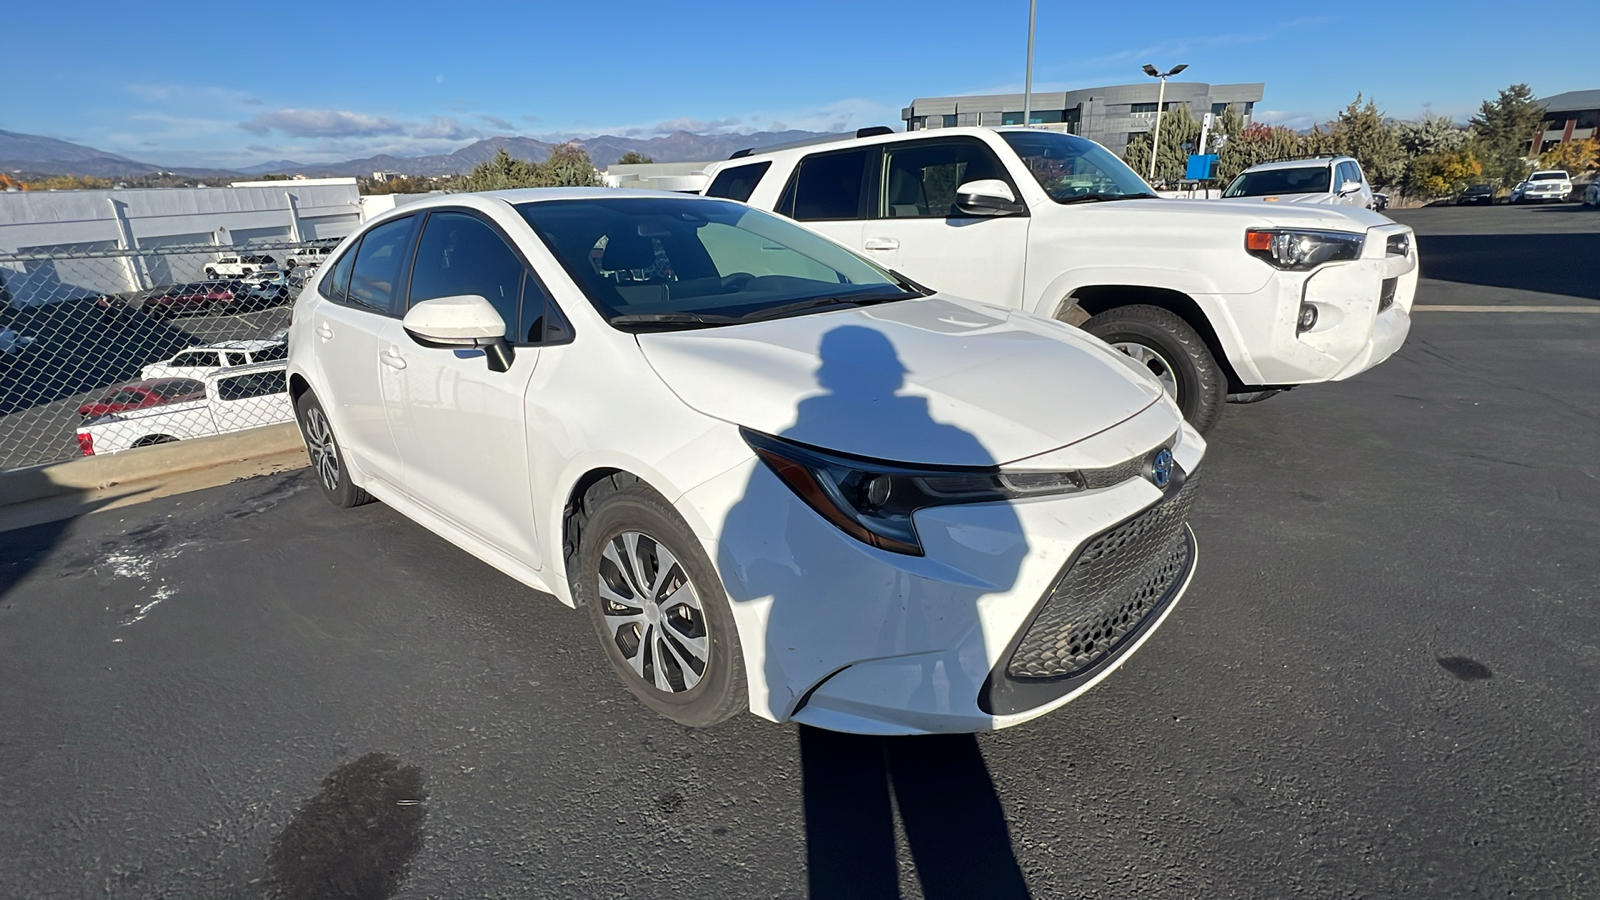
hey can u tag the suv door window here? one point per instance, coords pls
(739, 182)
(828, 186)
(921, 177)
(377, 265)
(460, 254)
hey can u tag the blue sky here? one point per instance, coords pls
(183, 83)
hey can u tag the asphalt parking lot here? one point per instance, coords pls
(1382, 682)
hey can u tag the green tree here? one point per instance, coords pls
(71, 183)
(1503, 132)
(1180, 136)
(1360, 131)
(634, 158)
(567, 166)
(1442, 174)
(1434, 134)
(1242, 146)
(502, 173)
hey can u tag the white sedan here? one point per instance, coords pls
(780, 477)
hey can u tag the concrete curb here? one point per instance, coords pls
(97, 472)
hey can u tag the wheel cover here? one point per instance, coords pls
(653, 613)
(324, 452)
(1155, 362)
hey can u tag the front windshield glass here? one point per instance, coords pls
(679, 262)
(1548, 176)
(1072, 169)
(1297, 180)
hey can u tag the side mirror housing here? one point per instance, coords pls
(987, 197)
(1349, 187)
(467, 320)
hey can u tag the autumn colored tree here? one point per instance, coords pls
(1575, 157)
(1442, 174)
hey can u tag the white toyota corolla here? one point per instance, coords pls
(780, 477)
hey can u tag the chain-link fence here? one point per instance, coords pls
(105, 349)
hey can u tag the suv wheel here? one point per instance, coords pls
(327, 460)
(657, 604)
(210, 272)
(1164, 343)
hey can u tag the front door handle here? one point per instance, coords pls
(882, 244)
(392, 358)
(323, 331)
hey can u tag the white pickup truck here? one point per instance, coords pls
(235, 399)
(1220, 299)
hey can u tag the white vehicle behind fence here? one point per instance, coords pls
(197, 361)
(1219, 300)
(1334, 180)
(235, 399)
(240, 266)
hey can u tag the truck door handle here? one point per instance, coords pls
(392, 358)
(882, 244)
(323, 331)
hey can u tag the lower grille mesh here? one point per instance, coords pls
(1118, 580)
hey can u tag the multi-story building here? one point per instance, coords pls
(1572, 116)
(1106, 115)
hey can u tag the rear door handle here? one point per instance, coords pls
(882, 244)
(392, 358)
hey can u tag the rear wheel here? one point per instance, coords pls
(1162, 342)
(656, 603)
(327, 460)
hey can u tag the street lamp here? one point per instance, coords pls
(1161, 100)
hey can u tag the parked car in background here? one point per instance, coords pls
(1543, 186)
(238, 266)
(13, 342)
(1380, 201)
(1218, 299)
(197, 361)
(310, 257)
(1591, 194)
(1476, 194)
(142, 394)
(776, 475)
(225, 400)
(201, 297)
(1334, 180)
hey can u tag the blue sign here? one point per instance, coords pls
(1202, 167)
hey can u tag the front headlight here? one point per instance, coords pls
(1299, 250)
(873, 501)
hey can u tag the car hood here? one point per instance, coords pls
(933, 380)
(1287, 213)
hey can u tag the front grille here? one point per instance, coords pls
(1133, 467)
(1386, 295)
(1118, 579)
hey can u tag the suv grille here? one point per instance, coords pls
(1118, 579)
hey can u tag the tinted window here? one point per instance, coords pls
(1299, 180)
(460, 254)
(255, 384)
(828, 185)
(195, 358)
(236, 359)
(268, 354)
(377, 265)
(178, 388)
(922, 176)
(737, 183)
(546, 324)
(338, 281)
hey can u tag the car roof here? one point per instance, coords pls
(846, 141)
(1297, 163)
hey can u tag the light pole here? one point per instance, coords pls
(1027, 86)
(1161, 100)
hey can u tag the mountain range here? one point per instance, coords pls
(36, 155)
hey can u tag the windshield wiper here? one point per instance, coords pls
(773, 312)
(673, 318)
(1086, 198)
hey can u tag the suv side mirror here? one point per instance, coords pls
(467, 320)
(1349, 187)
(987, 197)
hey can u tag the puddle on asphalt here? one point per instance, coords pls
(356, 838)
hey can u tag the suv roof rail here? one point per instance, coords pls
(869, 131)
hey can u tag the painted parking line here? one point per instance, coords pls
(1440, 307)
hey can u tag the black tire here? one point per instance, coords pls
(621, 504)
(1200, 386)
(327, 458)
(210, 272)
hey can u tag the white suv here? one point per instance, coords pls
(1336, 181)
(1552, 184)
(1218, 299)
(240, 266)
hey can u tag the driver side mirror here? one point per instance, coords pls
(987, 197)
(467, 320)
(1349, 187)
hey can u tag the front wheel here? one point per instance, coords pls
(657, 604)
(1162, 342)
(327, 460)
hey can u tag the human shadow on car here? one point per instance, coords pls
(833, 598)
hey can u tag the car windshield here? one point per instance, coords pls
(1548, 176)
(1297, 180)
(664, 262)
(1072, 169)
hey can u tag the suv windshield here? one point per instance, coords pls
(1548, 176)
(1299, 180)
(1073, 170)
(650, 262)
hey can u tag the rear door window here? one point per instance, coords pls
(828, 186)
(738, 182)
(378, 266)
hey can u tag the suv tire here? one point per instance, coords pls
(327, 459)
(621, 520)
(1174, 352)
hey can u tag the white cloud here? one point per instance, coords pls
(321, 123)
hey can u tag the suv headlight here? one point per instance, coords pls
(873, 501)
(1299, 250)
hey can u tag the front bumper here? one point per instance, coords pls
(846, 637)
(1363, 316)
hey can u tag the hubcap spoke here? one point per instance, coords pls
(652, 609)
(1155, 362)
